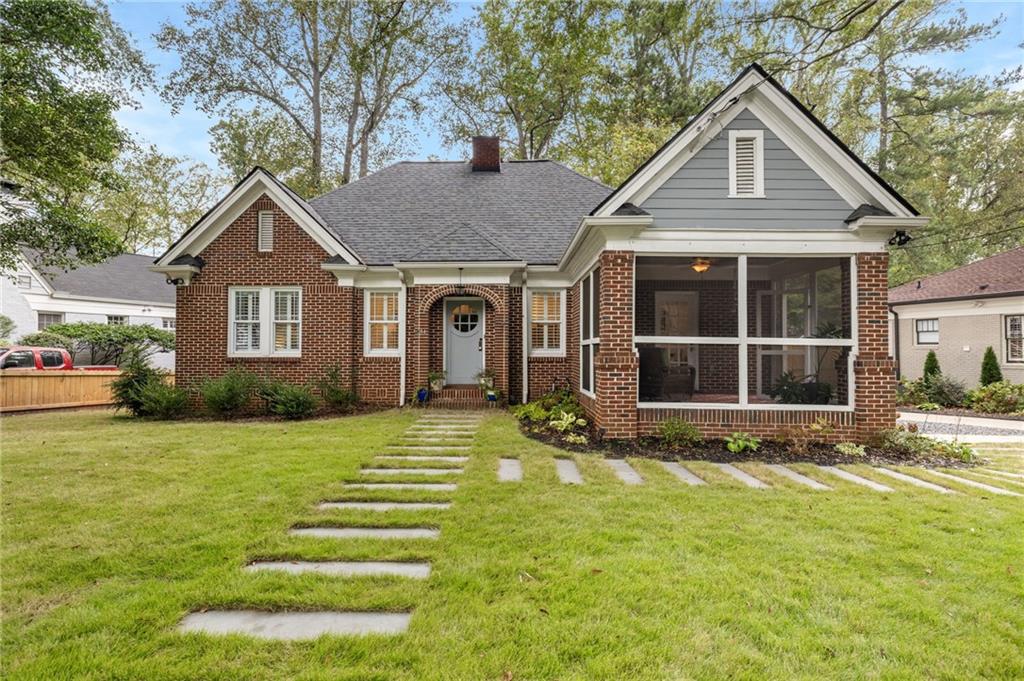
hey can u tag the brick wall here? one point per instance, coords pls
(874, 370)
(615, 367)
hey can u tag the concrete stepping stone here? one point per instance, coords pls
(977, 485)
(911, 480)
(681, 473)
(568, 473)
(461, 427)
(744, 477)
(1003, 481)
(1004, 473)
(411, 471)
(510, 470)
(856, 479)
(624, 471)
(294, 626)
(399, 457)
(790, 474)
(338, 568)
(384, 505)
(366, 532)
(430, 448)
(433, 486)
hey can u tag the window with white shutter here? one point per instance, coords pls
(266, 230)
(746, 163)
(1015, 338)
(265, 321)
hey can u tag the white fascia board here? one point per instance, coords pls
(40, 302)
(547, 276)
(238, 202)
(36, 274)
(969, 307)
(630, 223)
(467, 265)
(346, 274)
(888, 222)
(752, 242)
(435, 273)
(184, 272)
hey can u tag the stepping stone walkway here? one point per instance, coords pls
(411, 471)
(856, 479)
(742, 476)
(397, 457)
(625, 472)
(295, 626)
(796, 477)
(681, 473)
(385, 505)
(366, 532)
(568, 473)
(976, 484)
(911, 480)
(430, 448)
(432, 486)
(1004, 473)
(509, 470)
(337, 568)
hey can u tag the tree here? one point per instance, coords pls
(158, 197)
(990, 372)
(66, 69)
(339, 72)
(931, 365)
(107, 343)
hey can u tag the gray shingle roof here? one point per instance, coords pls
(443, 211)
(123, 277)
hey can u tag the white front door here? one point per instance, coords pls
(463, 339)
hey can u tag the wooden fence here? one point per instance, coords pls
(22, 390)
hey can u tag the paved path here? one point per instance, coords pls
(744, 477)
(568, 473)
(625, 472)
(509, 470)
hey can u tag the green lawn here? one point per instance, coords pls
(113, 530)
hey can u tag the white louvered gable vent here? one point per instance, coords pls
(746, 163)
(266, 230)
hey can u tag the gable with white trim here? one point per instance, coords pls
(698, 195)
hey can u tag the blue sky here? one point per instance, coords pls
(185, 133)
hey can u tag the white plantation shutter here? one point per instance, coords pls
(745, 171)
(286, 320)
(266, 230)
(247, 321)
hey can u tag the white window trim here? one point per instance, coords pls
(260, 244)
(938, 331)
(528, 320)
(397, 352)
(743, 341)
(125, 317)
(758, 137)
(266, 321)
(595, 339)
(1006, 341)
(27, 279)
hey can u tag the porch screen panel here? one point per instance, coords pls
(590, 287)
(674, 373)
(798, 374)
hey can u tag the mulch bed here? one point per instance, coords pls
(769, 451)
(963, 412)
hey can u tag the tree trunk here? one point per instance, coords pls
(883, 116)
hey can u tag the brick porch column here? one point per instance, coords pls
(615, 366)
(874, 370)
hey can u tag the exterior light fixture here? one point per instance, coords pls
(700, 265)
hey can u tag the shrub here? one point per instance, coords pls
(850, 449)
(945, 390)
(46, 339)
(566, 422)
(230, 393)
(127, 388)
(906, 443)
(676, 432)
(161, 400)
(561, 400)
(956, 450)
(532, 412)
(6, 328)
(576, 438)
(793, 390)
(928, 406)
(931, 365)
(113, 344)
(909, 392)
(737, 443)
(290, 401)
(997, 398)
(990, 372)
(333, 391)
(821, 428)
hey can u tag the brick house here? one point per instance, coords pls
(737, 279)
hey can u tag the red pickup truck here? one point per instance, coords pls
(25, 357)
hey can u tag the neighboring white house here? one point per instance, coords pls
(121, 290)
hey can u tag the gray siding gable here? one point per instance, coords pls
(697, 195)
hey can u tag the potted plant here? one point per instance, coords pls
(436, 380)
(492, 396)
(485, 379)
(422, 394)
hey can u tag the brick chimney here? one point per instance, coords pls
(486, 154)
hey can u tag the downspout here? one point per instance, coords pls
(526, 338)
(404, 325)
(896, 340)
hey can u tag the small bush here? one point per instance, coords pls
(566, 422)
(821, 428)
(850, 449)
(163, 401)
(909, 393)
(945, 390)
(229, 394)
(905, 443)
(737, 443)
(532, 412)
(561, 400)
(333, 391)
(931, 365)
(576, 439)
(290, 401)
(956, 450)
(997, 398)
(127, 388)
(990, 371)
(928, 406)
(47, 339)
(676, 432)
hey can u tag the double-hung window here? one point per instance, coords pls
(117, 320)
(590, 340)
(46, 319)
(265, 321)
(381, 332)
(1014, 326)
(927, 331)
(547, 331)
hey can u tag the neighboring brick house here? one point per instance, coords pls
(737, 279)
(959, 314)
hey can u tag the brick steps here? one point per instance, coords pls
(462, 397)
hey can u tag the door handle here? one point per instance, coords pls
(480, 345)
